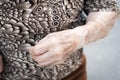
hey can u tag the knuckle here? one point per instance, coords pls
(36, 59)
(60, 58)
(59, 54)
(33, 51)
(59, 62)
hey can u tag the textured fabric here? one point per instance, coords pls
(100, 5)
(24, 22)
(80, 73)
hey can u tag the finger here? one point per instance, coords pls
(40, 49)
(51, 63)
(47, 59)
(1, 64)
(48, 63)
(58, 62)
(43, 45)
(44, 58)
(51, 54)
(37, 51)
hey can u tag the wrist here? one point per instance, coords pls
(81, 33)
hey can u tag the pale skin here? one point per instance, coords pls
(57, 46)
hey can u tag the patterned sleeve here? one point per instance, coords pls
(100, 5)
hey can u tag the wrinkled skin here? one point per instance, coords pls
(55, 47)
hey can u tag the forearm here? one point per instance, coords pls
(98, 25)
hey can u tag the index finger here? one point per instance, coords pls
(40, 48)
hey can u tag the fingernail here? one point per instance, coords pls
(32, 51)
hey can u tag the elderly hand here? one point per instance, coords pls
(57, 46)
